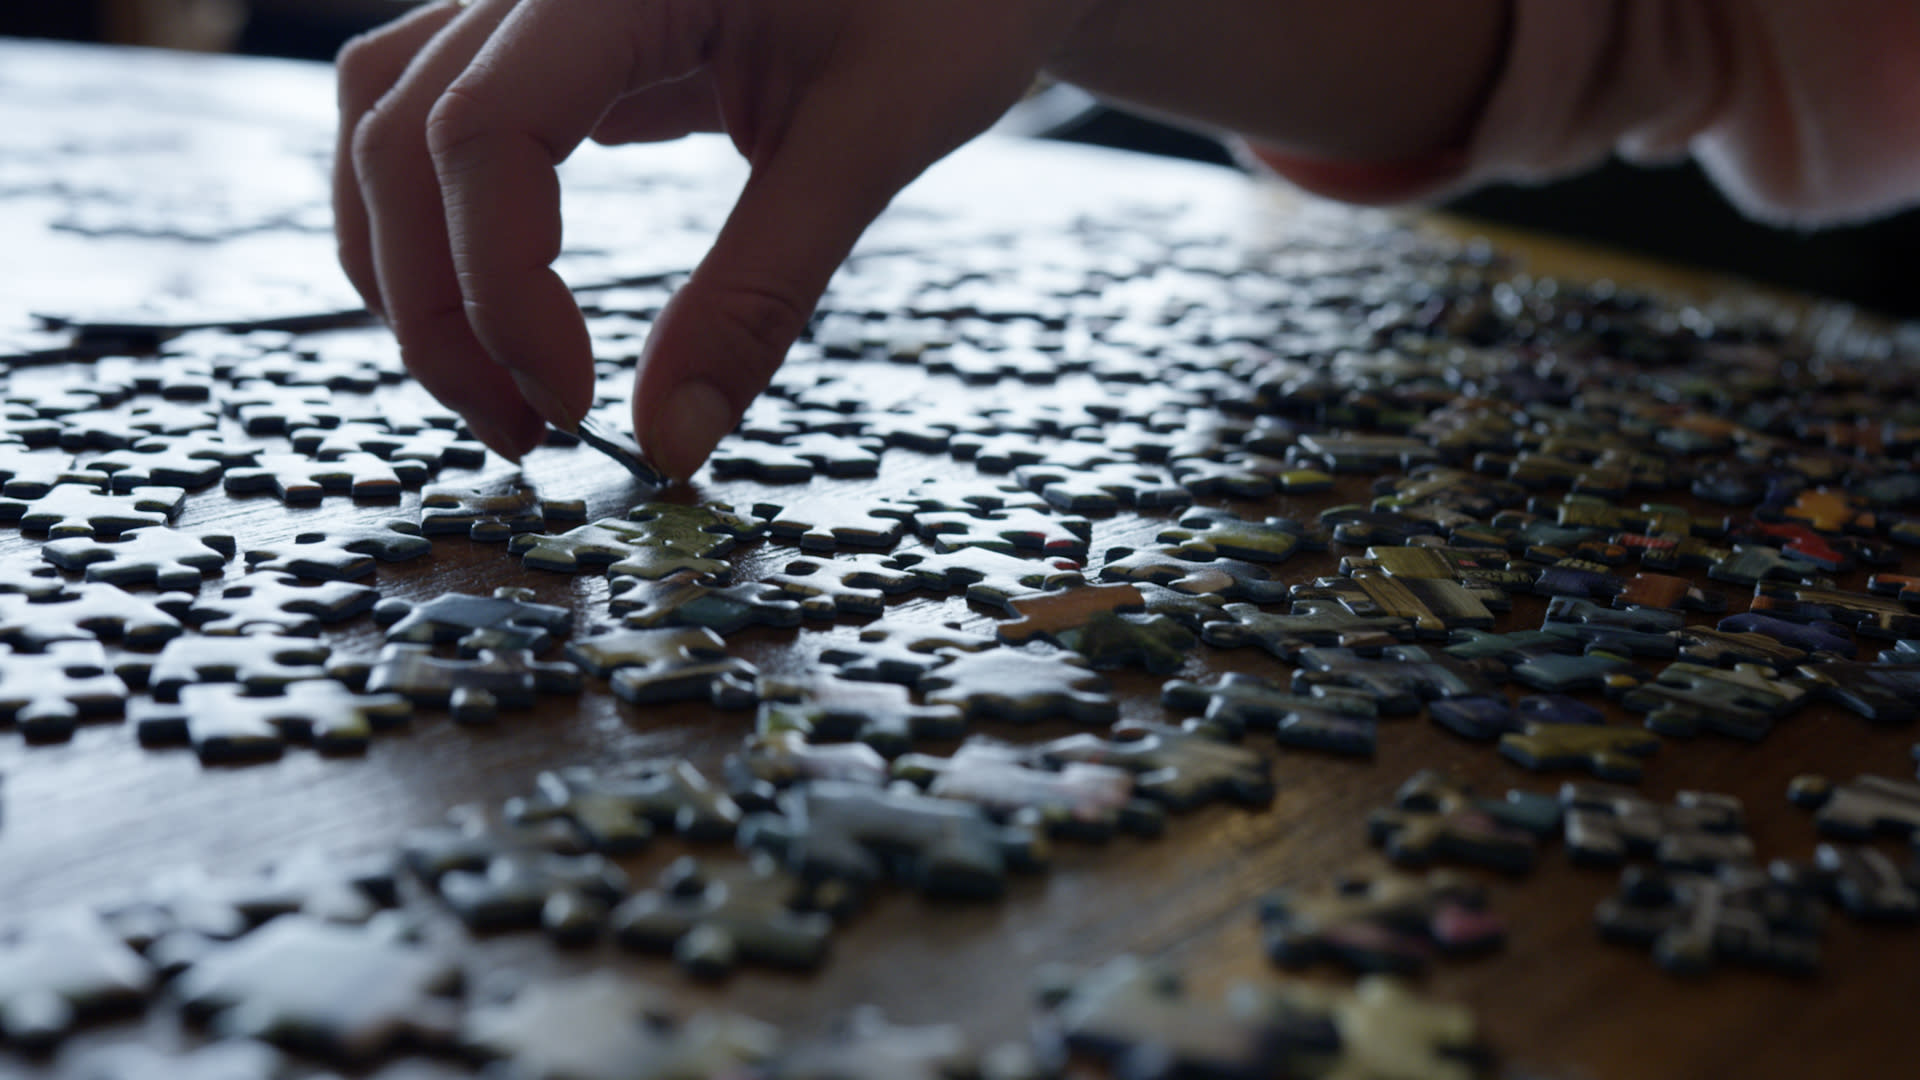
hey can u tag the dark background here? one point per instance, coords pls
(1673, 213)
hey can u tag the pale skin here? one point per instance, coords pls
(453, 121)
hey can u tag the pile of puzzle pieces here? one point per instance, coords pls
(1687, 525)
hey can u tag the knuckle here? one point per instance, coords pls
(763, 316)
(456, 121)
(360, 59)
(375, 138)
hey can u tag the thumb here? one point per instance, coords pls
(723, 335)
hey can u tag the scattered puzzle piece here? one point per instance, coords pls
(1080, 800)
(1695, 831)
(605, 1027)
(80, 510)
(348, 993)
(61, 971)
(1391, 923)
(1021, 687)
(617, 811)
(713, 915)
(474, 690)
(156, 556)
(266, 601)
(1694, 921)
(1606, 751)
(500, 878)
(227, 724)
(859, 835)
(1436, 817)
(509, 619)
(1743, 702)
(46, 695)
(878, 714)
(1863, 807)
(902, 650)
(1182, 767)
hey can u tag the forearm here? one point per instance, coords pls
(1366, 80)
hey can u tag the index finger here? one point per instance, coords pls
(533, 94)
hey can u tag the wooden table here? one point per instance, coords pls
(190, 188)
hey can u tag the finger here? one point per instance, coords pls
(658, 113)
(496, 137)
(368, 67)
(407, 229)
(722, 336)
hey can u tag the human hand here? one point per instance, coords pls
(448, 207)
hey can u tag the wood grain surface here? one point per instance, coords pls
(87, 818)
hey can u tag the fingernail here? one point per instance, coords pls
(495, 438)
(545, 401)
(693, 420)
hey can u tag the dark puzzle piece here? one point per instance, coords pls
(227, 724)
(1743, 702)
(768, 764)
(1399, 680)
(1697, 830)
(1433, 606)
(1022, 687)
(1695, 921)
(1079, 800)
(1635, 632)
(1327, 718)
(1231, 579)
(682, 600)
(1861, 808)
(714, 915)
(472, 690)
(1885, 693)
(63, 970)
(157, 556)
(509, 619)
(504, 877)
(1435, 817)
(1182, 767)
(902, 650)
(1487, 718)
(618, 810)
(859, 835)
(1863, 880)
(346, 993)
(1310, 623)
(1818, 636)
(1207, 534)
(1606, 751)
(879, 714)
(1393, 923)
(604, 1026)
